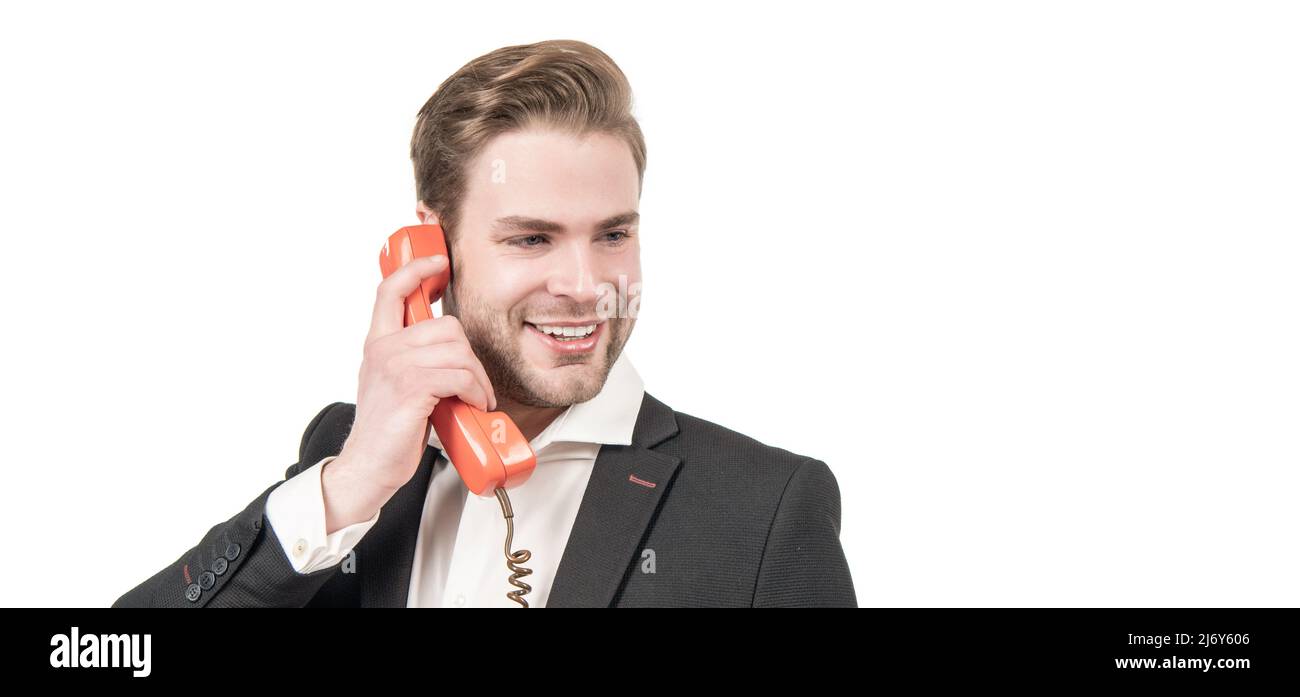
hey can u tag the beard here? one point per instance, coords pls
(494, 336)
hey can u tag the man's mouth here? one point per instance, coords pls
(565, 332)
(567, 337)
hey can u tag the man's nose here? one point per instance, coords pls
(575, 274)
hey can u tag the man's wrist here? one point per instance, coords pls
(349, 496)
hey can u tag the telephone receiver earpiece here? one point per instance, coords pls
(487, 448)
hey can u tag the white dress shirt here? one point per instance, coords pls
(459, 553)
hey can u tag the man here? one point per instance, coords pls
(531, 162)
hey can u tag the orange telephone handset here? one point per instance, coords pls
(487, 449)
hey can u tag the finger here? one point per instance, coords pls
(449, 355)
(390, 298)
(452, 382)
(434, 331)
(446, 329)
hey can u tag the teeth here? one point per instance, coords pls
(566, 332)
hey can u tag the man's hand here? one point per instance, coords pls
(404, 373)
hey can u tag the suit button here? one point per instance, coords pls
(232, 551)
(192, 592)
(219, 566)
(206, 579)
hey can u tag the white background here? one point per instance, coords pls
(1023, 274)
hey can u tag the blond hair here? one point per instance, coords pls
(568, 85)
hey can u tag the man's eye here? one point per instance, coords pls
(616, 236)
(529, 241)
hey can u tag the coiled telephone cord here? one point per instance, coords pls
(514, 559)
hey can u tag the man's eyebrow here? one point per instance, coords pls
(526, 224)
(523, 223)
(628, 218)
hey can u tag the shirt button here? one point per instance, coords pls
(300, 548)
(460, 601)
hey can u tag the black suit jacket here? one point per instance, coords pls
(730, 522)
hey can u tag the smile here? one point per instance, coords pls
(568, 337)
(565, 332)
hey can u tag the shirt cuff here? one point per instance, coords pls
(296, 511)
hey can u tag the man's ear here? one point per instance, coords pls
(426, 215)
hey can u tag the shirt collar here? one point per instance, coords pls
(609, 417)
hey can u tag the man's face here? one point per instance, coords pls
(547, 227)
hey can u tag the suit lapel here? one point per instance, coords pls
(625, 488)
(385, 566)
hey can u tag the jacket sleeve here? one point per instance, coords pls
(803, 563)
(238, 563)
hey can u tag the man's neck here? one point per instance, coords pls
(530, 420)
